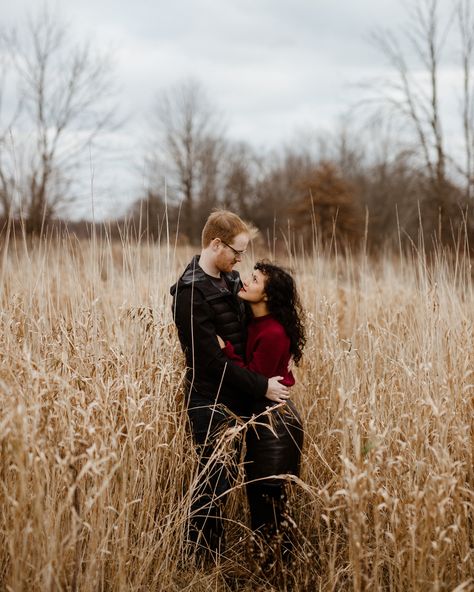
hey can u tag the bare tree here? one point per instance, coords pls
(414, 95)
(278, 187)
(7, 172)
(465, 23)
(417, 103)
(242, 168)
(65, 91)
(188, 150)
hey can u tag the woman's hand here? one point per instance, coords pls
(221, 342)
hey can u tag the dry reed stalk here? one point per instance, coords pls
(96, 463)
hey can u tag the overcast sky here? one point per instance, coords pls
(272, 67)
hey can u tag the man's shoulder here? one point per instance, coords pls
(191, 277)
(192, 274)
(195, 279)
(192, 291)
(195, 290)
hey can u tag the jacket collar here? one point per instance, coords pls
(195, 275)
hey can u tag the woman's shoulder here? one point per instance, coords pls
(271, 328)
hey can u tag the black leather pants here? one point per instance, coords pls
(274, 444)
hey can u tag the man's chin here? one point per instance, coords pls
(225, 268)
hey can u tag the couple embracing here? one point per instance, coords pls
(238, 339)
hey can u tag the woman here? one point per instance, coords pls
(274, 441)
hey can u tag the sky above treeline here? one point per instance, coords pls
(273, 68)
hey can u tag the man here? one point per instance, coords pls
(205, 305)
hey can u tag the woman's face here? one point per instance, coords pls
(253, 290)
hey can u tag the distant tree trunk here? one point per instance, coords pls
(466, 29)
(188, 137)
(240, 179)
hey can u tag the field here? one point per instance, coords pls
(96, 463)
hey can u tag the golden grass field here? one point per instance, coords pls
(96, 463)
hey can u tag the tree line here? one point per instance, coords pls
(387, 175)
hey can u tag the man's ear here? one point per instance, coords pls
(215, 242)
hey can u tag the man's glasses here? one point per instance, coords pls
(236, 253)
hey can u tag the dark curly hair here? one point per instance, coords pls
(284, 304)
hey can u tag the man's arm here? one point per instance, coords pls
(265, 361)
(198, 335)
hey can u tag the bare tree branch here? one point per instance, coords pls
(189, 138)
(465, 23)
(65, 92)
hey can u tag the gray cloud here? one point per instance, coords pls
(269, 65)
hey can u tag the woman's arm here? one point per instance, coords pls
(255, 362)
(265, 359)
(228, 350)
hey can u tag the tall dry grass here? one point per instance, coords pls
(96, 464)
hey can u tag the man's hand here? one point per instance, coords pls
(276, 392)
(221, 342)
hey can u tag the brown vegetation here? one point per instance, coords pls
(328, 209)
(96, 464)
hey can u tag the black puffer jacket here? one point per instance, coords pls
(202, 311)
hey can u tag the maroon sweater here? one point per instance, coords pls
(267, 351)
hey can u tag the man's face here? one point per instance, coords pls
(227, 255)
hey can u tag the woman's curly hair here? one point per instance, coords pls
(284, 304)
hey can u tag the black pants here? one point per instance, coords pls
(217, 473)
(267, 503)
(274, 444)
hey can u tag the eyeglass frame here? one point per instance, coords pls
(236, 253)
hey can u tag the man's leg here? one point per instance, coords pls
(215, 478)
